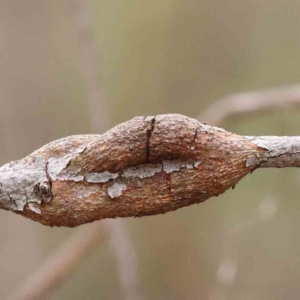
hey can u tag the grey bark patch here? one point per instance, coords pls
(170, 166)
(100, 177)
(18, 180)
(198, 163)
(116, 190)
(70, 173)
(57, 165)
(252, 161)
(142, 171)
(34, 208)
(281, 151)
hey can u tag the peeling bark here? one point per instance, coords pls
(145, 166)
(281, 151)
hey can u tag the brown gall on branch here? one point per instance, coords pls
(145, 166)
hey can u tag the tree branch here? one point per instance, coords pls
(282, 152)
(238, 105)
(145, 166)
(89, 65)
(58, 265)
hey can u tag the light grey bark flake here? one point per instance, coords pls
(116, 190)
(100, 177)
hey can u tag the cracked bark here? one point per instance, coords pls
(80, 179)
(149, 133)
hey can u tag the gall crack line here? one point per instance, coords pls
(149, 134)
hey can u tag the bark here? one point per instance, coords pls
(282, 151)
(146, 166)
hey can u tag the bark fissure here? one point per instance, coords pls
(148, 141)
(195, 136)
(49, 180)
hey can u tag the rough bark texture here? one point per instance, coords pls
(146, 166)
(282, 151)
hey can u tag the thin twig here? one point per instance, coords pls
(126, 257)
(58, 266)
(89, 64)
(118, 232)
(239, 105)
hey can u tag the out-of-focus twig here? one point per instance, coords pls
(57, 267)
(126, 258)
(118, 232)
(242, 104)
(227, 271)
(89, 65)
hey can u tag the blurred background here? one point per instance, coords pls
(73, 67)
